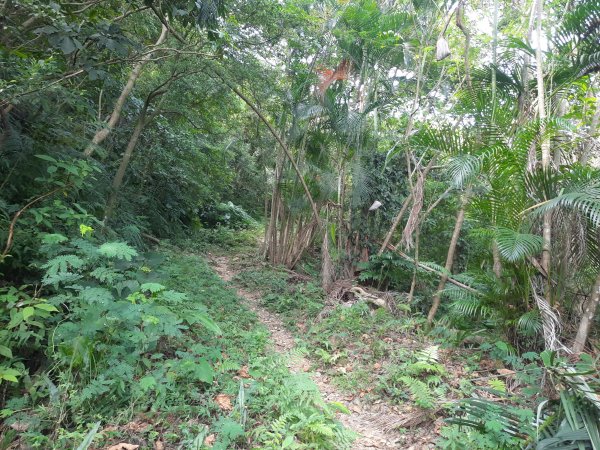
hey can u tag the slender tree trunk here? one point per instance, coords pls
(587, 319)
(271, 235)
(103, 133)
(118, 180)
(460, 218)
(280, 141)
(497, 261)
(587, 147)
(546, 156)
(465, 31)
(395, 223)
(413, 283)
(524, 96)
(327, 270)
(494, 58)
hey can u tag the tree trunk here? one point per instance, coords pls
(395, 223)
(587, 318)
(280, 141)
(460, 218)
(459, 23)
(103, 133)
(118, 180)
(497, 261)
(547, 220)
(587, 147)
(327, 270)
(523, 100)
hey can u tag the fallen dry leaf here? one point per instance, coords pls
(158, 445)
(136, 426)
(210, 439)
(506, 372)
(123, 446)
(19, 426)
(224, 402)
(243, 372)
(377, 366)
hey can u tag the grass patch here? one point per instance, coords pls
(196, 389)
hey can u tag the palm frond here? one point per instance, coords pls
(463, 168)
(530, 323)
(584, 198)
(515, 246)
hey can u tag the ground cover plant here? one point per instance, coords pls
(150, 364)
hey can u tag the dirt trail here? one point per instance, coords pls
(374, 422)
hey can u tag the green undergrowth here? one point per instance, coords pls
(282, 410)
(221, 240)
(391, 357)
(147, 349)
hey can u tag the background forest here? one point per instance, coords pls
(443, 155)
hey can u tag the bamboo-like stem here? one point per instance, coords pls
(546, 156)
(279, 139)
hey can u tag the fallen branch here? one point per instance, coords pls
(369, 298)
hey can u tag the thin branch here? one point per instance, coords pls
(432, 270)
(166, 24)
(13, 222)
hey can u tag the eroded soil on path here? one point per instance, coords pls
(375, 423)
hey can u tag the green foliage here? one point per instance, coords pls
(422, 375)
(25, 321)
(488, 425)
(95, 333)
(226, 215)
(516, 246)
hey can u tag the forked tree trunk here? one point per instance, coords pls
(103, 133)
(587, 319)
(460, 218)
(395, 223)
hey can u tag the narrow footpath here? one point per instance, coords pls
(375, 423)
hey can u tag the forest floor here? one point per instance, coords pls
(379, 424)
(373, 422)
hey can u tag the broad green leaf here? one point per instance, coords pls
(8, 374)
(152, 287)
(203, 371)
(46, 307)
(28, 311)
(5, 351)
(87, 441)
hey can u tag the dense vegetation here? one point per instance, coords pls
(414, 186)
